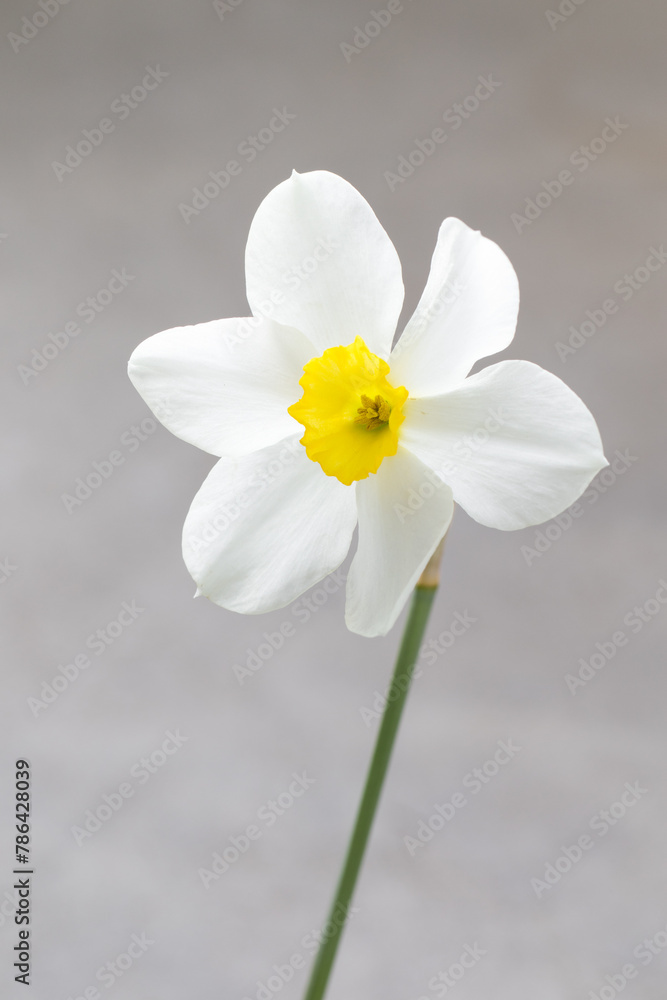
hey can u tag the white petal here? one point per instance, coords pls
(223, 386)
(468, 310)
(404, 511)
(265, 527)
(318, 259)
(514, 443)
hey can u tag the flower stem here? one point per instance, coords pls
(422, 599)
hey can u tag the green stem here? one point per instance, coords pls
(422, 599)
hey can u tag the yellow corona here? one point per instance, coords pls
(350, 412)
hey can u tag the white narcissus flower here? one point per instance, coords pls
(392, 438)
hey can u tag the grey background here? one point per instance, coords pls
(173, 668)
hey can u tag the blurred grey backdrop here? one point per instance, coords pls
(97, 254)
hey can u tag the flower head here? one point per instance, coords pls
(320, 427)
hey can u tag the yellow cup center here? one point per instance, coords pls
(350, 412)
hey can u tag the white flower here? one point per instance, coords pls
(392, 438)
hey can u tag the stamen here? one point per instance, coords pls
(374, 413)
